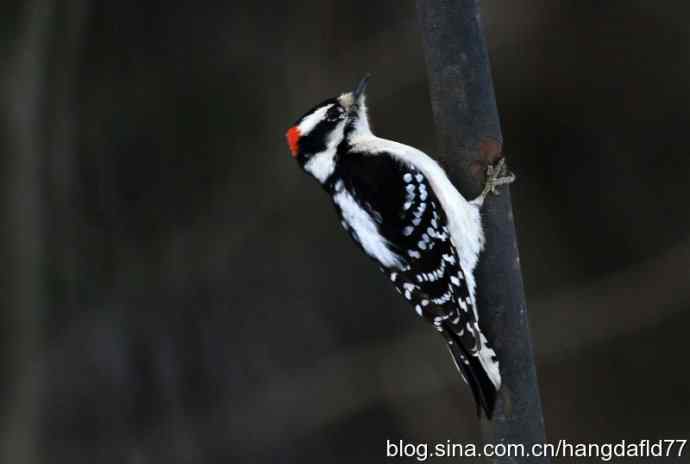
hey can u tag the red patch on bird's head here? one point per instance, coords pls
(293, 134)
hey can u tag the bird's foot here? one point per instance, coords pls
(496, 175)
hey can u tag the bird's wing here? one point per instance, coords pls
(413, 227)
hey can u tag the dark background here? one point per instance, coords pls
(174, 289)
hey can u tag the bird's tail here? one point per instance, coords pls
(473, 368)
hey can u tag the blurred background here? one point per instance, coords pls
(174, 288)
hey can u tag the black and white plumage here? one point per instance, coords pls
(402, 210)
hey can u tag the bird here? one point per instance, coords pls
(401, 209)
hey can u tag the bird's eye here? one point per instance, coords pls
(335, 114)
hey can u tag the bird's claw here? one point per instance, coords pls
(496, 175)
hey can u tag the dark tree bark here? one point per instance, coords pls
(469, 135)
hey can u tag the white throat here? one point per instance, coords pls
(361, 126)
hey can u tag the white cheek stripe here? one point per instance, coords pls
(321, 165)
(309, 123)
(365, 228)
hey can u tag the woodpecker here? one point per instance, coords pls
(400, 208)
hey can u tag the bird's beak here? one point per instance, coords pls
(361, 88)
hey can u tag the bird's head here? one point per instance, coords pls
(314, 138)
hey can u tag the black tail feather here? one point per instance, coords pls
(483, 389)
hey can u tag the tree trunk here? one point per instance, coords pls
(469, 135)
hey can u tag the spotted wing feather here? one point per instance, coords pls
(427, 271)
